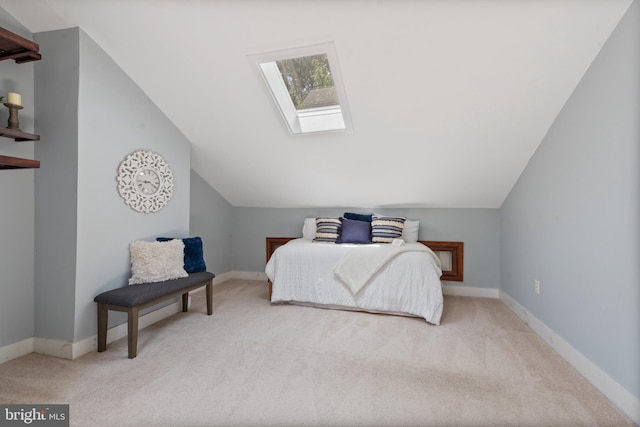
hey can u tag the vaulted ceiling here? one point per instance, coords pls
(449, 98)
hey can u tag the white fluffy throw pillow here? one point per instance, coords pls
(156, 261)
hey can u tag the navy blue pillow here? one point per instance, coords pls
(355, 231)
(358, 217)
(193, 253)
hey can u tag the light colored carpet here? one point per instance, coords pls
(253, 363)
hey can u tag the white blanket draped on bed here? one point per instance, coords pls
(409, 284)
(357, 267)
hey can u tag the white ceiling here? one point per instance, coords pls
(449, 99)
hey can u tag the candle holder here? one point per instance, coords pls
(13, 115)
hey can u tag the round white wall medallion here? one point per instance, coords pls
(145, 181)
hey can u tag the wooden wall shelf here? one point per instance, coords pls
(7, 162)
(21, 50)
(18, 135)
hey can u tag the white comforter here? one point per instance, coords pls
(302, 271)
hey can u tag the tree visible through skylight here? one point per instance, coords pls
(309, 81)
(306, 86)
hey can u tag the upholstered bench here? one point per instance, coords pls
(133, 298)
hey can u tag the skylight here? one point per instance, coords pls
(307, 88)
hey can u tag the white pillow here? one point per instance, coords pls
(410, 231)
(309, 229)
(156, 261)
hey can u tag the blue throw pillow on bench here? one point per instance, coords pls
(193, 253)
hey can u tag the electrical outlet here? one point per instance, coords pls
(536, 286)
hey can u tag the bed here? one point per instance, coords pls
(401, 278)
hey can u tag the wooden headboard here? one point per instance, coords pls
(450, 253)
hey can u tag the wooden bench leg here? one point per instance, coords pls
(133, 315)
(185, 302)
(103, 316)
(209, 291)
(132, 333)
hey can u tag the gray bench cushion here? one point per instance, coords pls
(133, 295)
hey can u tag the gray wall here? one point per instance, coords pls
(93, 116)
(572, 219)
(477, 228)
(211, 219)
(115, 119)
(17, 286)
(56, 84)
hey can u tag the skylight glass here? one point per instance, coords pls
(306, 86)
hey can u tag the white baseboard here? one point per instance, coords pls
(50, 347)
(468, 291)
(616, 393)
(248, 275)
(73, 350)
(220, 278)
(15, 350)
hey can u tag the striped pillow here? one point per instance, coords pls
(386, 228)
(327, 229)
